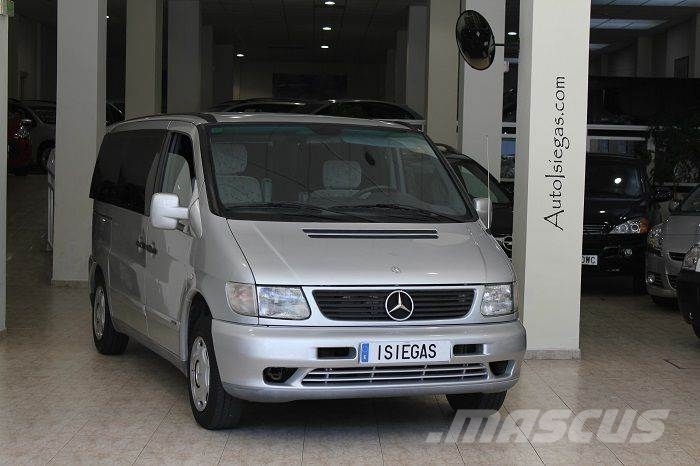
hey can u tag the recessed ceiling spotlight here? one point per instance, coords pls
(240, 55)
(327, 28)
(329, 3)
(325, 46)
(512, 33)
(107, 16)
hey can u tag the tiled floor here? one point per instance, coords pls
(61, 402)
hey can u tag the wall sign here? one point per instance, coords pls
(556, 169)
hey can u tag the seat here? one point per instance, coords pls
(341, 178)
(230, 160)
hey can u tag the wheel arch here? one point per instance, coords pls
(196, 306)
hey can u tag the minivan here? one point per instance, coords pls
(276, 257)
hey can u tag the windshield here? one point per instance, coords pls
(332, 173)
(608, 178)
(46, 113)
(692, 202)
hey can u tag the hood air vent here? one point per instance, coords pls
(373, 234)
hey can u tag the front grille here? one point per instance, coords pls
(593, 230)
(673, 281)
(394, 375)
(676, 256)
(364, 305)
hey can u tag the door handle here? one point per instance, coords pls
(140, 244)
(151, 248)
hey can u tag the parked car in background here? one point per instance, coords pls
(666, 247)
(262, 106)
(19, 147)
(41, 118)
(474, 177)
(368, 109)
(689, 288)
(619, 209)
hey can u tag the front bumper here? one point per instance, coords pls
(689, 296)
(244, 351)
(664, 274)
(617, 254)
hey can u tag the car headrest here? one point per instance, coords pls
(229, 158)
(341, 174)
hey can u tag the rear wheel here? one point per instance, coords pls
(42, 158)
(213, 408)
(481, 401)
(107, 339)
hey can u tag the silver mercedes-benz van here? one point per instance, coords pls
(277, 257)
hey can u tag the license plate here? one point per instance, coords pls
(404, 351)
(589, 259)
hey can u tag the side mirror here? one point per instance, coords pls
(475, 40)
(166, 211)
(663, 194)
(484, 209)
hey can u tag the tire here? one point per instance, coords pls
(663, 302)
(42, 158)
(696, 329)
(107, 339)
(480, 401)
(212, 407)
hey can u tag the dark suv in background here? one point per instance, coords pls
(619, 209)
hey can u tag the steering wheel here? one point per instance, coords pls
(365, 193)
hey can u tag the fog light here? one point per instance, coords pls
(651, 278)
(627, 253)
(278, 374)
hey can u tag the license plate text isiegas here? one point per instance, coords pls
(589, 260)
(392, 352)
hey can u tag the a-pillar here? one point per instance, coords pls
(550, 171)
(184, 56)
(80, 126)
(443, 72)
(481, 104)
(4, 38)
(144, 57)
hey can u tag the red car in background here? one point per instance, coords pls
(19, 147)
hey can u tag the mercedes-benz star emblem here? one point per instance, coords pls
(508, 243)
(399, 305)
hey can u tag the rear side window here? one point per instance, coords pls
(123, 167)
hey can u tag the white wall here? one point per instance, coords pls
(364, 80)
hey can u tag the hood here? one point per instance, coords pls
(611, 212)
(347, 254)
(681, 232)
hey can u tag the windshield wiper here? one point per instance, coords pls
(404, 208)
(299, 209)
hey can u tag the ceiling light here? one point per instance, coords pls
(240, 55)
(512, 33)
(327, 28)
(107, 16)
(325, 47)
(329, 3)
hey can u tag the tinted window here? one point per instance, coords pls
(123, 167)
(474, 178)
(609, 178)
(382, 111)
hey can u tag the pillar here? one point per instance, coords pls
(390, 76)
(550, 171)
(144, 58)
(80, 126)
(443, 72)
(417, 50)
(481, 96)
(184, 56)
(207, 54)
(4, 39)
(645, 48)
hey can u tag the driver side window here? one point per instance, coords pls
(178, 172)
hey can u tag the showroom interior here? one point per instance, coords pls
(619, 78)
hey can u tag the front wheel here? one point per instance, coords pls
(481, 401)
(212, 407)
(107, 339)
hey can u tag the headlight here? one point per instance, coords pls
(655, 240)
(241, 299)
(497, 300)
(633, 226)
(277, 302)
(690, 261)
